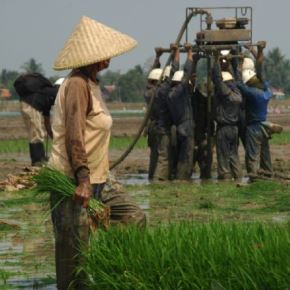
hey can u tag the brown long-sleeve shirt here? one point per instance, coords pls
(77, 106)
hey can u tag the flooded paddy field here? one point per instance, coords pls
(26, 237)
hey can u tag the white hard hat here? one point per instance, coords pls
(224, 52)
(167, 71)
(226, 76)
(155, 74)
(248, 63)
(59, 81)
(178, 75)
(247, 75)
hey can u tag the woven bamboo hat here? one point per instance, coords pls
(91, 42)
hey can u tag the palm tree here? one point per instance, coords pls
(31, 66)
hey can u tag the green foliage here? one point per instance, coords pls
(277, 69)
(132, 85)
(129, 86)
(7, 79)
(31, 66)
(4, 276)
(188, 255)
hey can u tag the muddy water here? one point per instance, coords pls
(26, 240)
(26, 247)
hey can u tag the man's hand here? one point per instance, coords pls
(158, 51)
(261, 44)
(187, 46)
(83, 192)
(173, 46)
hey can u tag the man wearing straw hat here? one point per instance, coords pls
(81, 130)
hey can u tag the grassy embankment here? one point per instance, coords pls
(117, 143)
(21, 145)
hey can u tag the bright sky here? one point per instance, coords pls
(39, 28)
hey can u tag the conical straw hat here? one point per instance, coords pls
(92, 42)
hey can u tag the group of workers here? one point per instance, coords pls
(178, 126)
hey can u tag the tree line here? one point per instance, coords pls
(129, 86)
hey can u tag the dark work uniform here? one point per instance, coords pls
(179, 102)
(163, 126)
(200, 114)
(242, 124)
(257, 145)
(152, 136)
(228, 102)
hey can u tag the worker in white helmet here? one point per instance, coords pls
(257, 94)
(163, 120)
(151, 129)
(59, 81)
(228, 100)
(247, 64)
(181, 112)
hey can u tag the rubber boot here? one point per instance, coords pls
(37, 154)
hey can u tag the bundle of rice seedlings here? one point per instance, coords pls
(51, 180)
(189, 255)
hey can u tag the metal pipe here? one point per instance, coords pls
(208, 47)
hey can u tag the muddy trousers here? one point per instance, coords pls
(71, 230)
(153, 145)
(163, 166)
(184, 156)
(257, 150)
(228, 163)
(203, 157)
(35, 130)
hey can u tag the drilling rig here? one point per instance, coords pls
(209, 29)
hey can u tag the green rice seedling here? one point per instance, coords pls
(189, 255)
(51, 180)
